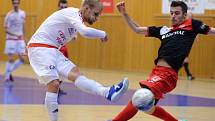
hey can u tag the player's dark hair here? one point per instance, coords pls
(62, 1)
(182, 4)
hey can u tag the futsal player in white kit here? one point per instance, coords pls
(15, 44)
(51, 66)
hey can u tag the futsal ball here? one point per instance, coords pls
(143, 99)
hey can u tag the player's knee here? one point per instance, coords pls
(74, 74)
(53, 86)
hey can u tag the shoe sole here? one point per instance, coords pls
(122, 91)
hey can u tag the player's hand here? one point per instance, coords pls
(105, 39)
(121, 7)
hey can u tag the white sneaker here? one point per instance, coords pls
(116, 91)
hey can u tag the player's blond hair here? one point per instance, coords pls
(92, 3)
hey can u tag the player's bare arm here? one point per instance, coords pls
(212, 31)
(135, 27)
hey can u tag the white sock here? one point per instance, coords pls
(52, 105)
(8, 69)
(91, 86)
(17, 64)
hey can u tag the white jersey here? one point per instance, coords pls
(62, 26)
(14, 22)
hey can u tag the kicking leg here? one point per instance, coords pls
(91, 86)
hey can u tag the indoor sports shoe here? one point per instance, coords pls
(11, 78)
(116, 91)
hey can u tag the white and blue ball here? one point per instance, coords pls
(143, 99)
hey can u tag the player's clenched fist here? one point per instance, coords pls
(121, 7)
(105, 39)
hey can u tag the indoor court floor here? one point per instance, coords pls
(23, 99)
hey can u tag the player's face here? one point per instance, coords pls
(15, 4)
(92, 15)
(62, 6)
(177, 15)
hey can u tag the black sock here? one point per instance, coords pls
(186, 68)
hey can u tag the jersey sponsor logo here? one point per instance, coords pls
(118, 87)
(172, 33)
(61, 38)
(164, 30)
(154, 79)
(52, 67)
(71, 31)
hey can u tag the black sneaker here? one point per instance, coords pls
(11, 78)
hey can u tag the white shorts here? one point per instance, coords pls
(14, 47)
(49, 64)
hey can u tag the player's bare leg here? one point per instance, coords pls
(12, 65)
(51, 102)
(8, 67)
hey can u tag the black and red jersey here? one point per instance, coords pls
(176, 42)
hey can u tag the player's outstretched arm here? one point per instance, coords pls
(212, 31)
(135, 27)
(89, 32)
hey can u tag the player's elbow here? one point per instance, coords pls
(139, 31)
